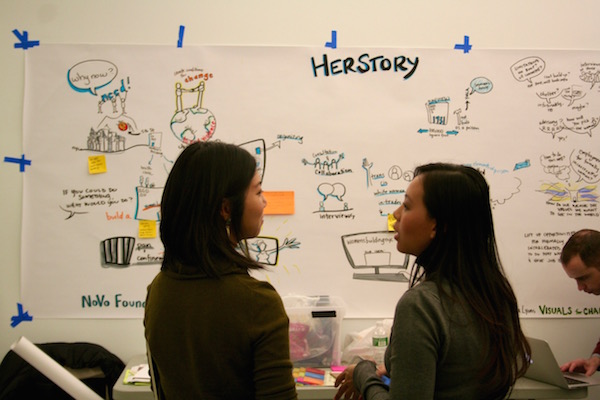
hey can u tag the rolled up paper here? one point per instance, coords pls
(53, 370)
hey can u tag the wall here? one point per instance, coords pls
(431, 24)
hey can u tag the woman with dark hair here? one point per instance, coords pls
(456, 331)
(213, 331)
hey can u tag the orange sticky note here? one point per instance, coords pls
(97, 164)
(279, 203)
(391, 221)
(147, 229)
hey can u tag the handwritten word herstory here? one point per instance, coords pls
(363, 64)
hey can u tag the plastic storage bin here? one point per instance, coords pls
(315, 329)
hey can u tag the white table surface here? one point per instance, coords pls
(524, 389)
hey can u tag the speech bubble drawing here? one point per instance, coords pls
(590, 73)
(502, 187)
(551, 127)
(336, 190)
(548, 95)
(586, 165)
(481, 85)
(91, 75)
(573, 93)
(527, 68)
(557, 164)
(581, 124)
(89, 199)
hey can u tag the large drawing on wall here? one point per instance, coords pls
(343, 129)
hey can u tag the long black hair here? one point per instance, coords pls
(192, 229)
(464, 255)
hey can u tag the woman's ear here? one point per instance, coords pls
(226, 209)
(433, 230)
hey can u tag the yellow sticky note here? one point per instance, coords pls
(391, 222)
(279, 203)
(147, 229)
(97, 164)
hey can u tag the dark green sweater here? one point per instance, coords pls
(221, 338)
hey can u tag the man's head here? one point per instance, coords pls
(580, 258)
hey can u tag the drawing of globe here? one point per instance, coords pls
(193, 125)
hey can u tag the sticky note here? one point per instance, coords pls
(279, 203)
(147, 229)
(391, 221)
(97, 164)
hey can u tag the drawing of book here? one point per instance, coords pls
(437, 111)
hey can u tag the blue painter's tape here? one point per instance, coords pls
(24, 42)
(180, 40)
(21, 161)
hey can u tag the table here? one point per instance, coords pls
(524, 389)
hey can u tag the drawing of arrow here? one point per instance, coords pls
(275, 144)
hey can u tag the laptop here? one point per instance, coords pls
(545, 368)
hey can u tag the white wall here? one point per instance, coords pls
(511, 24)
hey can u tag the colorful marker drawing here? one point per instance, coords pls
(192, 124)
(266, 249)
(559, 192)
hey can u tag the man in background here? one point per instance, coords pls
(580, 258)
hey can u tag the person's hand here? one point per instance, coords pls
(346, 390)
(586, 366)
(381, 370)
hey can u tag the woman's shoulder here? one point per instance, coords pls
(423, 289)
(254, 286)
(424, 294)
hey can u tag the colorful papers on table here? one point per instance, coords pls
(309, 376)
(137, 375)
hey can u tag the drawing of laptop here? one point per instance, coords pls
(545, 368)
(376, 253)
